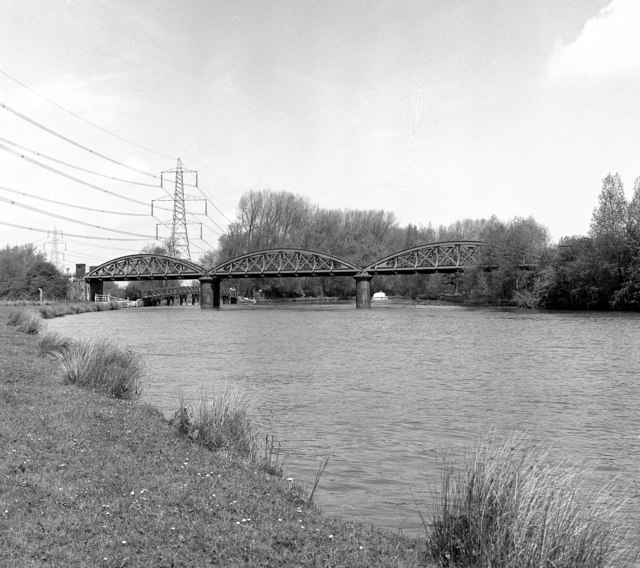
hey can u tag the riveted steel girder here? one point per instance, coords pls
(146, 267)
(435, 257)
(174, 291)
(283, 263)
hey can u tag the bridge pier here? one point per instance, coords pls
(210, 293)
(363, 290)
(95, 287)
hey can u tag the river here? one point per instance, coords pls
(389, 393)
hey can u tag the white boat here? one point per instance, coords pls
(379, 297)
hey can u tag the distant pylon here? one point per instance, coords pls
(56, 256)
(179, 236)
(178, 242)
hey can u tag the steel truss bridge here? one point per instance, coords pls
(443, 257)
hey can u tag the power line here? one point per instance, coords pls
(93, 245)
(211, 198)
(71, 220)
(77, 144)
(74, 166)
(7, 224)
(68, 176)
(3, 188)
(84, 119)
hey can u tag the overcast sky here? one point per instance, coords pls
(436, 110)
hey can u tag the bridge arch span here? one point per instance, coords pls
(283, 263)
(445, 256)
(145, 267)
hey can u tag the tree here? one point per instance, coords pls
(24, 271)
(610, 219)
(209, 259)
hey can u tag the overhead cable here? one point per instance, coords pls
(3, 188)
(74, 235)
(84, 119)
(78, 180)
(93, 245)
(210, 198)
(74, 166)
(35, 209)
(62, 137)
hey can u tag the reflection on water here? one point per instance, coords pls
(388, 393)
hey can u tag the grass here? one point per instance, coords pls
(224, 419)
(51, 343)
(64, 309)
(509, 507)
(24, 320)
(102, 365)
(89, 480)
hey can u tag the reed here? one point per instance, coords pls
(509, 507)
(103, 366)
(223, 419)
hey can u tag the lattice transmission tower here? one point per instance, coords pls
(178, 240)
(56, 254)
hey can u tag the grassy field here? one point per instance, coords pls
(90, 480)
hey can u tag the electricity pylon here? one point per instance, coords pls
(178, 241)
(56, 256)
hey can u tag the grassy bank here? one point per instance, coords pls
(57, 309)
(90, 480)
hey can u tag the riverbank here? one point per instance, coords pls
(88, 480)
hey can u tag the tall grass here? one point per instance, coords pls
(66, 308)
(51, 343)
(511, 508)
(103, 366)
(223, 419)
(24, 320)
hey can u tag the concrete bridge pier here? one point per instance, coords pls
(209, 293)
(363, 290)
(95, 287)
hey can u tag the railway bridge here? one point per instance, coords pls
(442, 257)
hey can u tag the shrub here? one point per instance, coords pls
(511, 508)
(226, 419)
(103, 366)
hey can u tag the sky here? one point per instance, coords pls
(435, 110)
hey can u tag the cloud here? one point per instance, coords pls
(608, 46)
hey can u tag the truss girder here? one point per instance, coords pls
(146, 267)
(449, 256)
(175, 291)
(435, 257)
(283, 263)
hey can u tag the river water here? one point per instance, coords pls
(389, 393)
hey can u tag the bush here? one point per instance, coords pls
(103, 366)
(510, 508)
